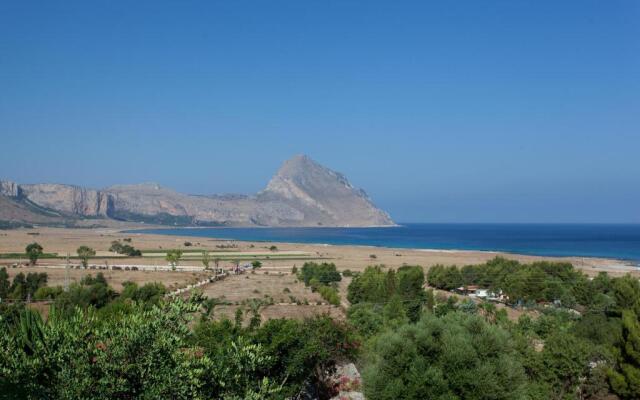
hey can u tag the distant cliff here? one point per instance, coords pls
(302, 193)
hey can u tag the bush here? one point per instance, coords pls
(47, 293)
(330, 295)
(456, 356)
(85, 357)
(376, 286)
(324, 273)
(125, 249)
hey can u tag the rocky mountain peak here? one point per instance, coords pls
(322, 193)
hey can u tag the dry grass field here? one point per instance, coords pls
(238, 289)
(171, 279)
(290, 298)
(280, 287)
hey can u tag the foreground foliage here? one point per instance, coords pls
(455, 356)
(150, 348)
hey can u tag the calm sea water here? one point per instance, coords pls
(588, 240)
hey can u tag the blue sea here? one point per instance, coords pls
(585, 240)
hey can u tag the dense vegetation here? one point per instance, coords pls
(23, 286)
(322, 278)
(398, 294)
(522, 283)
(413, 342)
(96, 344)
(462, 349)
(126, 249)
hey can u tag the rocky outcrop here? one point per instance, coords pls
(9, 189)
(347, 382)
(68, 199)
(302, 193)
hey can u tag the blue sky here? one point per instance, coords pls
(466, 111)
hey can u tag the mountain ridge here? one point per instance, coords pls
(301, 193)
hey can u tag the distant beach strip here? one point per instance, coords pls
(617, 241)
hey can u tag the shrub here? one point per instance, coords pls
(47, 293)
(324, 273)
(330, 295)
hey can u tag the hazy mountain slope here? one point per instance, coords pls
(302, 193)
(15, 211)
(68, 199)
(322, 195)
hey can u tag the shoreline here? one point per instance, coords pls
(627, 263)
(353, 257)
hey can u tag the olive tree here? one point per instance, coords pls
(173, 257)
(34, 251)
(206, 259)
(85, 252)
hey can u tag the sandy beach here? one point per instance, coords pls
(356, 258)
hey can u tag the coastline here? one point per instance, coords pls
(550, 254)
(353, 257)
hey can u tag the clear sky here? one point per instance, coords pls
(450, 111)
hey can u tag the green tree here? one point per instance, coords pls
(149, 293)
(564, 363)
(366, 318)
(116, 247)
(411, 291)
(85, 253)
(458, 356)
(5, 285)
(325, 273)
(17, 291)
(256, 264)
(206, 259)
(34, 281)
(142, 354)
(394, 313)
(173, 257)
(370, 286)
(34, 251)
(626, 381)
(627, 293)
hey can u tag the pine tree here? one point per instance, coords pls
(626, 383)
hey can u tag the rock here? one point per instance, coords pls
(324, 197)
(348, 382)
(68, 199)
(9, 189)
(301, 193)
